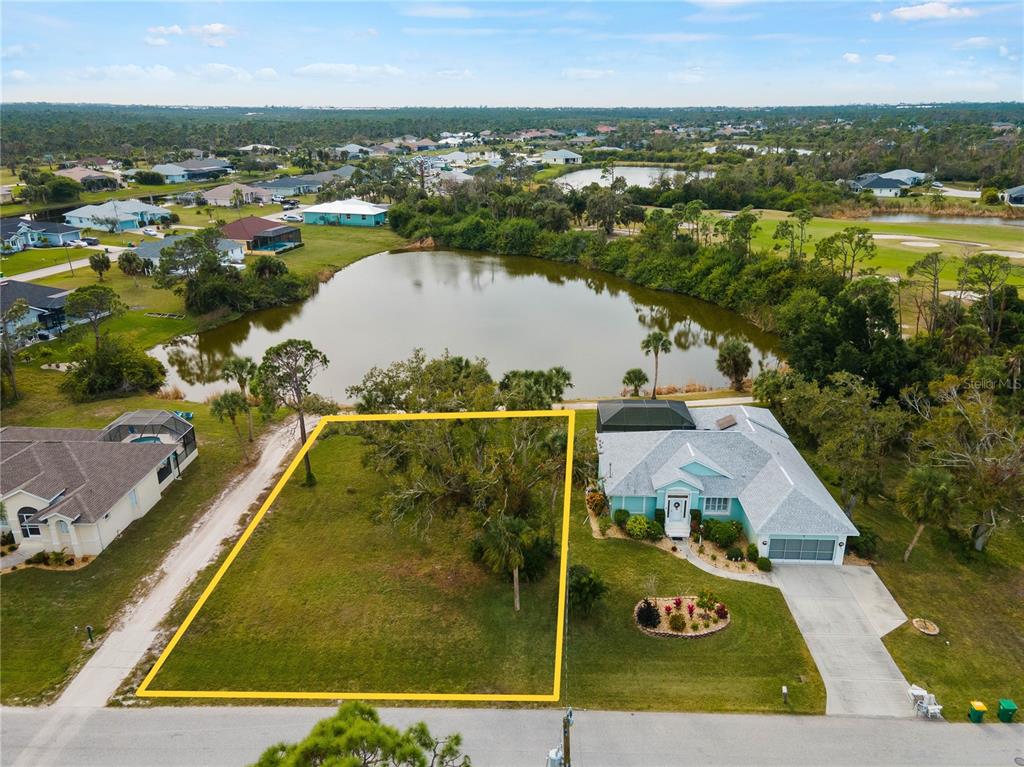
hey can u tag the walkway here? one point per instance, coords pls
(715, 402)
(843, 612)
(755, 576)
(125, 647)
(223, 736)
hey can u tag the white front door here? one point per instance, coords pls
(677, 515)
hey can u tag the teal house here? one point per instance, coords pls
(729, 463)
(350, 212)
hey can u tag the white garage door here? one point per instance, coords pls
(802, 549)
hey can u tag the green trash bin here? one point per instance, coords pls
(977, 711)
(1007, 710)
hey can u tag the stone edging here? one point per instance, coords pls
(712, 629)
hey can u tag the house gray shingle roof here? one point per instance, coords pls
(35, 295)
(92, 474)
(779, 492)
(150, 249)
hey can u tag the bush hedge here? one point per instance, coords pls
(638, 527)
(621, 517)
(764, 564)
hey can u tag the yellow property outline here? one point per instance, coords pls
(144, 690)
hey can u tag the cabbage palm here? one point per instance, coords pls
(655, 343)
(505, 540)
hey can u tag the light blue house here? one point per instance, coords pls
(730, 463)
(351, 212)
(117, 215)
(172, 173)
(18, 234)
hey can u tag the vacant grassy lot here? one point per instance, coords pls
(39, 610)
(610, 664)
(322, 598)
(978, 604)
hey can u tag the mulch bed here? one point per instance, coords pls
(664, 630)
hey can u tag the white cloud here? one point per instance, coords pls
(266, 73)
(347, 72)
(975, 42)
(213, 29)
(17, 75)
(579, 73)
(174, 29)
(931, 10)
(876, 16)
(851, 58)
(885, 58)
(127, 72)
(453, 74)
(214, 42)
(13, 52)
(155, 41)
(217, 72)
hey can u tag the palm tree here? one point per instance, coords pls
(230, 405)
(634, 379)
(505, 540)
(926, 497)
(241, 370)
(734, 361)
(132, 265)
(655, 343)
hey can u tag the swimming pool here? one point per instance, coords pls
(146, 439)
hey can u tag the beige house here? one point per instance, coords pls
(223, 195)
(78, 489)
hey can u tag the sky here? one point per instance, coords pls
(703, 52)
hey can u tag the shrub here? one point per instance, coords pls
(39, 558)
(537, 557)
(721, 611)
(677, 622)
(700, 549)
(117, 367)
(695, 517)
(647, 615)
(695, 626)
(659, 518)
(752, 552)
(585, 588)
(714, 557)
(638, 527)
(604, 524)
(621, 517)
(655, 531)
(707, 600)
(764, 564)
(7, 539)
(735, 554)
(864, 545)
(724, 533)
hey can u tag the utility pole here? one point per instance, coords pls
(67, 255)
(566, 725)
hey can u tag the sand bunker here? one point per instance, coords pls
(920, 244)
(1007, 253)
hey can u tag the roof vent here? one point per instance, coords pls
(725, 422)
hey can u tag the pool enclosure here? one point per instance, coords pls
(156, 426)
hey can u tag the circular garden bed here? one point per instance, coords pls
(687, 617)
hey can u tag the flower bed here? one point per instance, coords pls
(697, 621)
(718, 557)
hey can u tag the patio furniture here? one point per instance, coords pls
(929, 708)
(186, 414)
(916, 694)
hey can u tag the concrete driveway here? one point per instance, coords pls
(843, 613)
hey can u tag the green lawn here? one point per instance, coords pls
(612, 665)
(894, 257)
(321, 598)
(39, 610)
(977, 604)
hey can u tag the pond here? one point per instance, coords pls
(635, 175)
(516, 312)
(923, 218)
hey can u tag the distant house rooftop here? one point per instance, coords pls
(44, 297)
(250, 226)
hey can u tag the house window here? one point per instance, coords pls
(348, 216)
(27, 530)
(716, 505)
(62, 527)
(133, 497)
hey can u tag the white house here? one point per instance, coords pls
(116, 215)
(78, 489)
(561, 157)
(883, 187)
(731, 463)
(223, 195)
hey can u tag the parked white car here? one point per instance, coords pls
(150, 231)
(291, 217)
(77, 243)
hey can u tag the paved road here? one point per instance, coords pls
(83, 263)
(226, 736)
(843, 612)
(124, 647)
